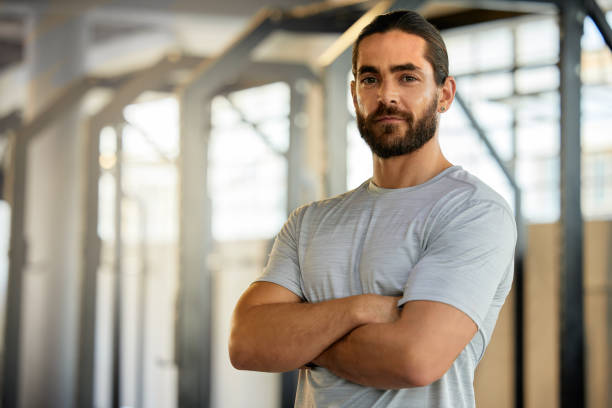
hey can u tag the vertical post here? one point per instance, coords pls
(89, 269)
(143, 285)
(336, 119)
(519, 258)
(194, 301)
(609, 314)
(117, 295)
(572, 314)
(297, 147)
(295, 197)
(17, 256)
(55, 56)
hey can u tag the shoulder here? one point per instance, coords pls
(327, 206)
(463, 190)
(467, 204)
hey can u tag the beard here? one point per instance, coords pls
(386, 141)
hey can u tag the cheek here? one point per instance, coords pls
(366, 105)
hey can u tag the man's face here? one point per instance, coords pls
(394, 93)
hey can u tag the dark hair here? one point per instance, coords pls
(412, 23)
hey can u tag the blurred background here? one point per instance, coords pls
(151, 150)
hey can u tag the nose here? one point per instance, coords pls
(388, 93)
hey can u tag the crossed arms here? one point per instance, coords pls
(365, 339)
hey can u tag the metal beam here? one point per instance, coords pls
(17, 256)
(345, 42)
(193, 329)
(599, 18)
(10, 121)
(572, 303)
(91, 259)
(65, 101)
(118, 282)
(255, 128)
(111, 113)
(336, 116)
(297, 192)
(483, 137)
(213, 74)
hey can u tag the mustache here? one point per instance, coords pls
(385, 110)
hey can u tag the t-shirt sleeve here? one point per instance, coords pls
(283, 266)
(465, 260)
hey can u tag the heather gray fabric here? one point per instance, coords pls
(450, 240)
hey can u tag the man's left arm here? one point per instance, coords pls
(415, 350)
(447, 296)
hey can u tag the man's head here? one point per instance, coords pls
(409, 22)
(401, 82)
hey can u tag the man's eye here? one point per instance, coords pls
(368, 80)
(407, 78)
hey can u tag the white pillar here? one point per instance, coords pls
(55, 56)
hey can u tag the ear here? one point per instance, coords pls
(447, 94)
(354, 94)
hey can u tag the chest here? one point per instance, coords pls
(365, 252)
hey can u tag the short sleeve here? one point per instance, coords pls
(469, 254)
(283, 266)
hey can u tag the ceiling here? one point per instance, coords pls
(194, 26)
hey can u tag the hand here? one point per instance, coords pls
(372, 308)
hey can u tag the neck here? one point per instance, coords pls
(410, 169)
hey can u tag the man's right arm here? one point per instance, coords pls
(274, 331)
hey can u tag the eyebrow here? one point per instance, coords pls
(396, 68)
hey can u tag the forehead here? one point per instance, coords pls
(393, 47)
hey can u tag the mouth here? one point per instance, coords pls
(389, 119)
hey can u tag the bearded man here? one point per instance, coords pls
(387, 295)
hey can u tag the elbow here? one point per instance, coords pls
(239, 354)
(420, 372)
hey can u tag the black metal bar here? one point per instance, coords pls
(572, 315)
(519, 325)
(17, 256)
(609, 310)
(519, 258)
(289, 388)
(599, 18)
(118, 283)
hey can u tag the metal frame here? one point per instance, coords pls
(18, 246)
(17, 258)
(110, 114)
(194, 308)
(194, 305)
(10, 121)
(118, 269)
(572, 302)
(336, 119)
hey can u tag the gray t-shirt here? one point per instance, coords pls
(450, 239)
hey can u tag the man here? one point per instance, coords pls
(386, 296)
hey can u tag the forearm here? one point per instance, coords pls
(283, 337)
(372, 355)
(413, 351)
